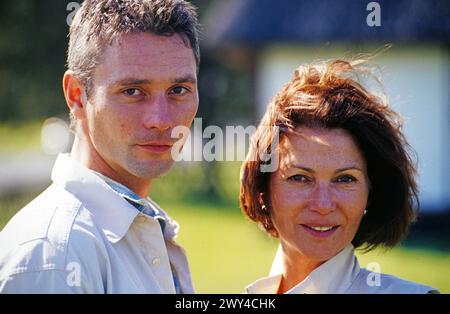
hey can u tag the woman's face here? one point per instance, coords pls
(319, 192)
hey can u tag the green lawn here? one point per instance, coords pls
(20, 136)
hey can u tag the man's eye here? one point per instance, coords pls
(345, 179)
(299, 178)
(179, 90)
(132, 92)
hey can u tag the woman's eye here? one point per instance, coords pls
(132, 92)
(299, 178)
(345, 179)
(179, 90)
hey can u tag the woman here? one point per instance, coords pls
(344, 180)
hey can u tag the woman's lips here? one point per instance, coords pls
(320, 231)
(156, 148)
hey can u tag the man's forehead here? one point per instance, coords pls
(148, 57)
(145, 42)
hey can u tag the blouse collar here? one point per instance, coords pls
(334, 276)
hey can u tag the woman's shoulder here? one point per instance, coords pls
(373, 282)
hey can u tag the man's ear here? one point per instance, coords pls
(75, 95)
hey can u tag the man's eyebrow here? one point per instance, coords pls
(130, 81)
(184, 79)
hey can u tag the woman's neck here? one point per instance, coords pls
(296, 267)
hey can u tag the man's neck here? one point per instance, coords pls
(84, 152)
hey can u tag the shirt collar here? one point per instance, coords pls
(138, 202)
(111, 211)
(334, 276)
(120, 188)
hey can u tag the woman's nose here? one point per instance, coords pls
(322, 199)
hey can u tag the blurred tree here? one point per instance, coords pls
(32, 58)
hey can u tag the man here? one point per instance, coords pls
(131, 78)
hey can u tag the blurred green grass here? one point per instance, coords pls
(20, 136)
(226, 251)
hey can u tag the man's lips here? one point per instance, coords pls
(156, 147)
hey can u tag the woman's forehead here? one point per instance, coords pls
(318, 146)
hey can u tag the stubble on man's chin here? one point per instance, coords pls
(149, 170)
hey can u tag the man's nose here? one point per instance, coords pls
(322, 199)
(157, 113)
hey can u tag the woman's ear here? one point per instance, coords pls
(266, 208)
(261, 199)
(75, 95)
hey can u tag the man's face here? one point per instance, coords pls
(144, 86)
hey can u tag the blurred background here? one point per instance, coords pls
(250, 48)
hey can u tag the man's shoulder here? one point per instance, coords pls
(55, 207)
(37, 237)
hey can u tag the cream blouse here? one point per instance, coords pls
(341, 275)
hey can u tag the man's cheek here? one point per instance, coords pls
(181, 118)
(124, 131)
(189, 116)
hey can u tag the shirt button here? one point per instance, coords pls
(156, 261)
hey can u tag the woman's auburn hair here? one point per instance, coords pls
(330, 95)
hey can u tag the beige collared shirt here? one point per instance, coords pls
(341, 274)
(80, 236)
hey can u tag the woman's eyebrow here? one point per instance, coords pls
(348, 168)
(310, 170)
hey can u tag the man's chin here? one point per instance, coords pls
(151, 169)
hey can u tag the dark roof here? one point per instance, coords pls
(255, 22)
